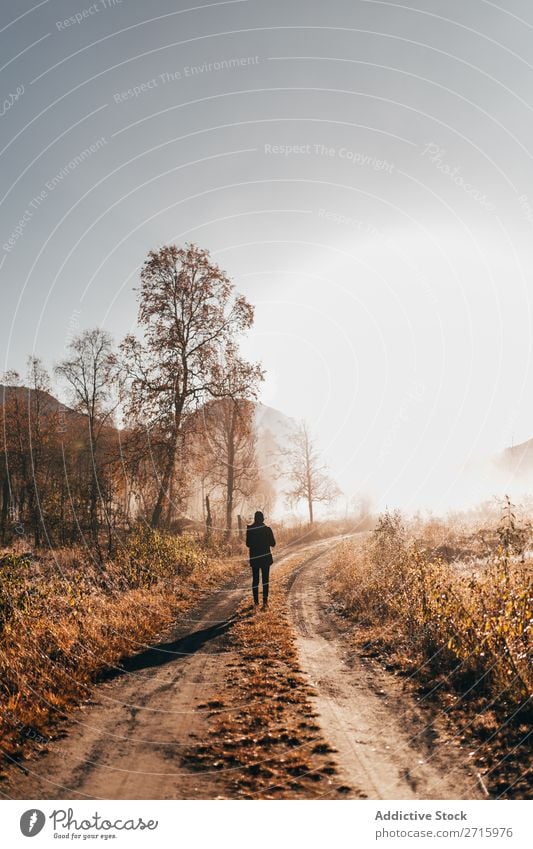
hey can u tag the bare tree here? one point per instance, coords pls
(90, 373)
(41, 432)
(229, 432)
(230, 445)
(28, 449)
(190, 320)
(308, 475)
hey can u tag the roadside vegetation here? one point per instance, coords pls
(453, 613)
(299, 533)
(65, 618)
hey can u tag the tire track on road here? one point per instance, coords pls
(380, 735)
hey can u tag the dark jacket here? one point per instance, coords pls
(259, 539)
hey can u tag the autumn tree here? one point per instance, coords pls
(14, 450)
(307, 473)
(230, 434)
(30, 460)
(90, 374)
(230, 445)
(42, 441)
(190, 320)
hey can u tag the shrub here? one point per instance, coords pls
(65, 617)
(480, 620)
(152, 555)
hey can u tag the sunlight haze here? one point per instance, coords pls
(361, 173)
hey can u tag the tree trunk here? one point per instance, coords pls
(93, 515)
(165, 483)
(36, 522)
(5, 507)
(33, 512)
(208, 518)
(62, 527)
(230, 484)
(229, 515)
(309, 480)
(109, 523)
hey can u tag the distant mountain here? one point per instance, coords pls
(271, 424)
(272, 427)
(271, 419)
(508, 472)
(24, 394)
(273, 432)
(517, 460)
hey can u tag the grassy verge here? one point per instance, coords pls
(64, 619)
(303, 533)
(462, 638)
(263, 730)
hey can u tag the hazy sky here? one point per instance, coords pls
(361, 169)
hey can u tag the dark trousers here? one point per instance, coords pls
(265, 573)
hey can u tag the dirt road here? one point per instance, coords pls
(130, 742)
(385, 743)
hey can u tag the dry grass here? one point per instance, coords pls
(303, 533)
(263, 729)
(463, 636)
(63, 620)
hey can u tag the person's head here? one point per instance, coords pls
(258, 517)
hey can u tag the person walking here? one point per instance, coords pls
(260, 539)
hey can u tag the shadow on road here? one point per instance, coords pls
(180, 648)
